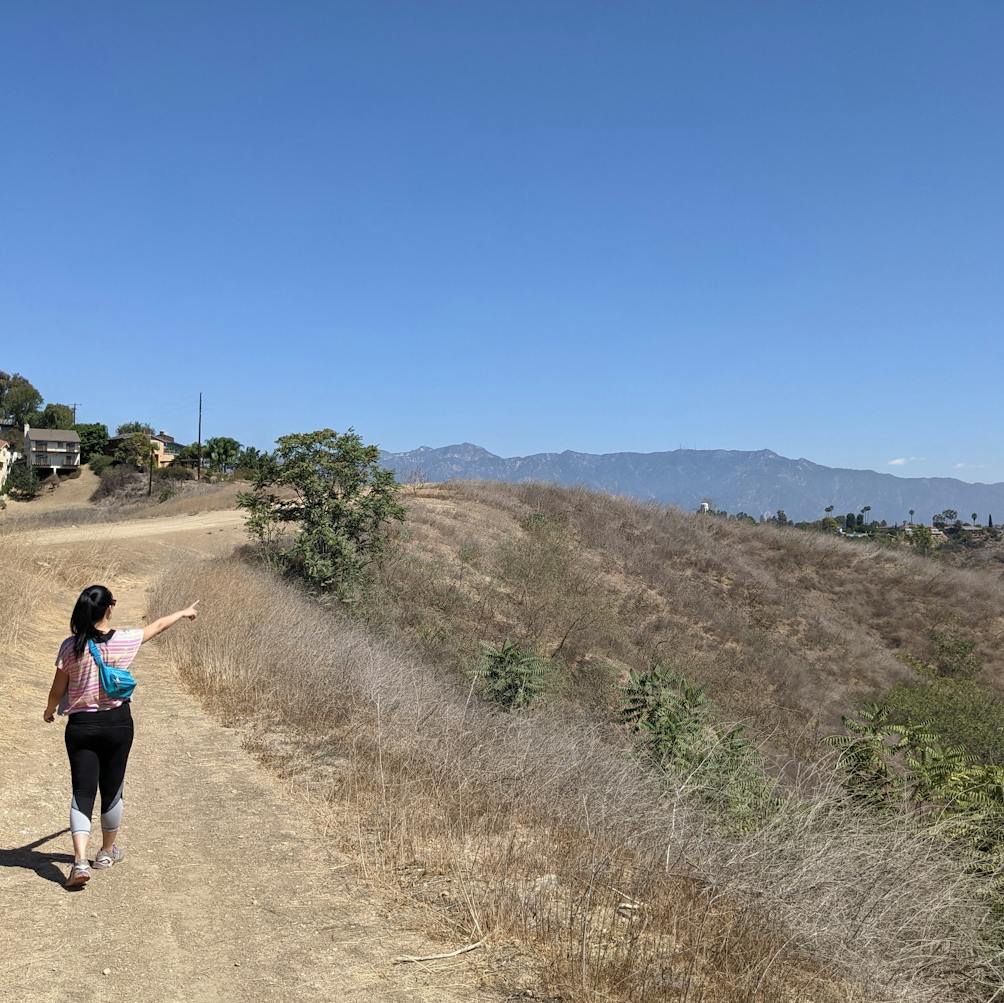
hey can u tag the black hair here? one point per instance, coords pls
(90, 609)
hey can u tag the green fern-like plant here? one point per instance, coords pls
(511, 676)
(673, 718)
(955, 798)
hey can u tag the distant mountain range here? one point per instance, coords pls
(752, 482)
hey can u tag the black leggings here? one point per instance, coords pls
(98, 745)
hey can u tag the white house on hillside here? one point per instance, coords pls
(51, 449)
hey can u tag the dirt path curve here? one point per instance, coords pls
(228, 891)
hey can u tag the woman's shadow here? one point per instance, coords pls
(43, 864)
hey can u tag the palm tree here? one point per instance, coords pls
(974, 518)
(828, 509)
(911, 516)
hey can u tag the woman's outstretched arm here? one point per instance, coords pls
(59, 683)
(151, 630)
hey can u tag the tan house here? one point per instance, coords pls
(51, 449)
(165, 449)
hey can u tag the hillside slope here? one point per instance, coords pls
(790, 629)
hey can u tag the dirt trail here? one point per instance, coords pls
(228, 891)
(152, 529)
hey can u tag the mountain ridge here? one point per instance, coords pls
(753, 481)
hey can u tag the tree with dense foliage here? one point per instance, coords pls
(221, 453)
(849, 522)
(19, 400)
(22, 482)
(136, 449)
(339, 497)
(93, 440)
(131, 427)
(54, 416)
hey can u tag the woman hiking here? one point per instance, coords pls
(99, 732)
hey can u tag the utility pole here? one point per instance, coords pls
(75, 406)
(198, 469)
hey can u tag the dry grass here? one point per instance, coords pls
(28, 579)
(789, 629)
(544, 831)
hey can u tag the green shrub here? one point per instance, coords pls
(100, 463)
(510, 676)
(22, 482)
(673, 717)
(174, 473)
(891, 765)
(959, 712)
(117, 482)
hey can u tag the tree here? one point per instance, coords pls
(221, 453)
(781, 518)
(921, 539)
(911, 516)
(249, 460)
(19, 400)
(93, 440)
(342, 503)
(974, 518)
(849, 522)
(865, 511)
(55, 416)
(131, 427)
(22, 482)
(136, 449)
(859, 520)
(190, 453)
(949, 515)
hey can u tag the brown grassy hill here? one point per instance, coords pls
(789, 629)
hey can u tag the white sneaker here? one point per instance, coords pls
(106, 858)
(80, 874)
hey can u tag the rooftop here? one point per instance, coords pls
(52, 435)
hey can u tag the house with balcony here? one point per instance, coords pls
(51, 450)
(165, 449)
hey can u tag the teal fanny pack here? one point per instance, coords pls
(118, 684)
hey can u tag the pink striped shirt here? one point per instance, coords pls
(84, 692)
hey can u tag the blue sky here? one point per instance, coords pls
(530, 225)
